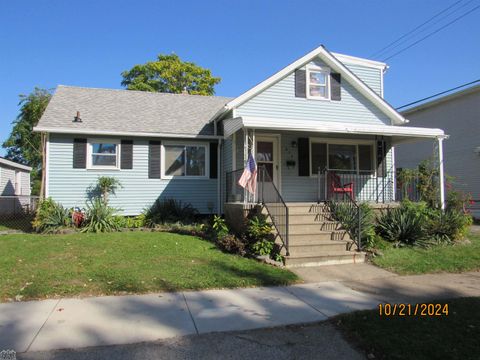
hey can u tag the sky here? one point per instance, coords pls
(89, 43)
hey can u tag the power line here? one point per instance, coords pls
(422, 28)
(440, 93)
(415, 29)
(433, 32)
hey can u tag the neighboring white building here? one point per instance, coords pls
(14, 186)
(458, 114)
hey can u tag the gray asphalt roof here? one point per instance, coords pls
(130, 111)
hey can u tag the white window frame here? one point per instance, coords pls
(184, 144)
(318, 69)
(90, 143)
(332, 141)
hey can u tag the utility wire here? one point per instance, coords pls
(440, 93)
(433, 32)
(422, 29)
(415, 29)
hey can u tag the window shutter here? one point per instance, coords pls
(336, 86)
(303, 157)
(300, 83)
(79, 153)
(126, 154)
(381, 163)
(154, 159)
(213, 160)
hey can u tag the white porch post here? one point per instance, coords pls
(441, 173)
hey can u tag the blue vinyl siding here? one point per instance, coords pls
(69, 186)
(279, 101)
(370, 76)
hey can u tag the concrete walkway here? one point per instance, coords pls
(76, 323)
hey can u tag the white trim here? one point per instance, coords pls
(348, 59)
(185, 177)
(14, 164)
(394, 173)
(335, 141)
(336, 65)
(317, 69)
(47, 165)
(124, 133)
(219, 179)
(441, 174)
(262, 123)
(92, 141)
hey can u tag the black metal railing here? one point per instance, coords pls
(267, 194)
(408, 189)
(270, 198)
(337, 188)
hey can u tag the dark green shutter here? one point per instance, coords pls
(336, 86)
(79, 153)
(303, 157)
(213, 160)
(300, 83)
(154, 159)
(126, 154)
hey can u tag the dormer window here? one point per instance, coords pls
(318, 83)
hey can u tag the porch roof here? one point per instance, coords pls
(398, 134)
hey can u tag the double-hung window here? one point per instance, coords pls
(342, 157)
(318, 83)
(184, 160)
(103, 154)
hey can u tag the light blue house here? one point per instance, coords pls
(322, 117)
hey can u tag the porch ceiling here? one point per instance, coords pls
(398, 134)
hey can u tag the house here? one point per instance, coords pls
(318, 128)
(14, 187)
(458, 114)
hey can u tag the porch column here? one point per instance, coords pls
(441, 174)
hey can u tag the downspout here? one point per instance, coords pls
(441, 172)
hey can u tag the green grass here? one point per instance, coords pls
(41, 266)
(414, 260)
(455, 336)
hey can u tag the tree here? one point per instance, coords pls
(23, 145)
(170, 74)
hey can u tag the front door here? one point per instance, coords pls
(266, 148)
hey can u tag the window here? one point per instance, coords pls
(103, 154)
(318, 83)
(342, 157)
(184, 160)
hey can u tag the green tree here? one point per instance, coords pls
(23, 145)
(170, 74)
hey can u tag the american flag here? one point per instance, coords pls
(248, 180)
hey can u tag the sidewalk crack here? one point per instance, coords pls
(191, 315)
(41, 327)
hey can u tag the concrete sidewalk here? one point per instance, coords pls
(76, 323)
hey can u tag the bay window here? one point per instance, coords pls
(184, 160)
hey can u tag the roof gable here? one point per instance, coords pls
(330, 60)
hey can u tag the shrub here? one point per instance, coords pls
(401, 225)
(50, 216)
(105, 186)
(259, 236)
(169, 211)
(231, 244)
(346, 214)
(446, 227)
(130, 222)
(100, 217)
(219, 227)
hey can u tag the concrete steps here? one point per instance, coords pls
(315, 238)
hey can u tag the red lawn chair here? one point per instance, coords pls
(335, 185)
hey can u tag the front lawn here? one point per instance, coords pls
(455, 336)
(415, 260)
(41, 266)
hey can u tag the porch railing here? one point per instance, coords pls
(266, 194)
(276, 207)
(338, 188)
